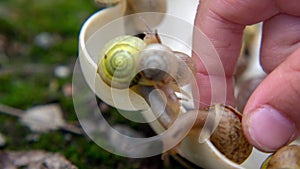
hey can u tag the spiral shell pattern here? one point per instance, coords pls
(117, 67)
(157, 62)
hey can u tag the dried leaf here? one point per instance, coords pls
(43, 118)
(33, 160)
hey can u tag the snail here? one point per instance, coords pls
(181, 62)
(105, 3)
(157, 62)
(151, 10)
(117, 64)
(229, 137)
(288, 157)
(137, 6)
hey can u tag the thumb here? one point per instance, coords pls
(272, 115)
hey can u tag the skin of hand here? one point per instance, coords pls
(271, 118)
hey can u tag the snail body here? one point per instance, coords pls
(117, 66)
(151, 37)
(186, 69)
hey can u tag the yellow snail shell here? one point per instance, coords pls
(117, 64)
(157, 62)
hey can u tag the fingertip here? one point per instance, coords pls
(268, 129)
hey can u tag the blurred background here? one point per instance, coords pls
(38, 49)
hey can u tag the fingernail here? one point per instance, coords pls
(269, 129)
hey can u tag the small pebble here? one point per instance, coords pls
(67, 89)
(2, 140)
(62, 71)
(44, 40)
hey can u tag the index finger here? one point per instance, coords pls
(223, 22)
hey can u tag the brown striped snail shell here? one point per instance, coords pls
(288, 157)
(229, 138)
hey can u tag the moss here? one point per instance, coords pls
(23, 93)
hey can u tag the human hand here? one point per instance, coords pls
(271, 118)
